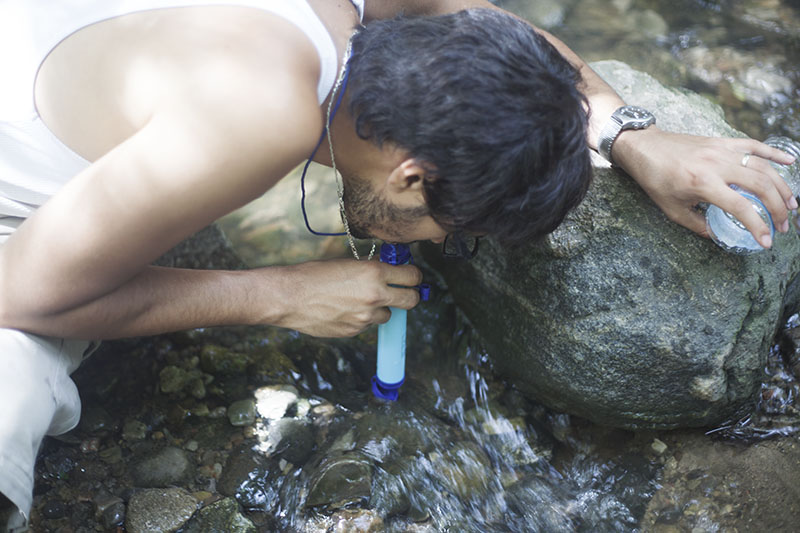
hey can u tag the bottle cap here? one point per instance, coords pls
(395, 254)
(386, 391)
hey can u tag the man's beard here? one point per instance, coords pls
(366, 212)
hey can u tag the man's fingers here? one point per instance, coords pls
(741, 208)
(762, 150)
(403, 298)
(403, 275)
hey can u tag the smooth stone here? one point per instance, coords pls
(273, 401)
(291, 439)
(341, 482)
(221, 516)
(242, 413)
(165, 467)
(159, 510)
(134, 430)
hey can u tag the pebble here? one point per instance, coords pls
(658, 446)
(159, 510)
(273, 401)
(220, 516)
(111, 455)
(54, 509)
(114, 515)
(242, 413)
(166, 467)
(134, 430)
(90, 445)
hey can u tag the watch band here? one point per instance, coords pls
(627, 117)
(608, 135)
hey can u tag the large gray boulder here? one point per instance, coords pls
(622, 316)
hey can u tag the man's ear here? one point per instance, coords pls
(407, 176)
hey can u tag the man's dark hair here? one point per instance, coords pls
(488, 106)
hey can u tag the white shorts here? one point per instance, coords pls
(37, 398)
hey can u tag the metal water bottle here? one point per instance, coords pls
(726, 230)
(391, 371)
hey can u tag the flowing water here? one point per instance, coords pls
(287, 426)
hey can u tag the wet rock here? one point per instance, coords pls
(111, 455)
(172, 379)
(134, 430)
(544, 14)
(712, 482)
(242, 413)
(753, 79)
(114, 515)
(54, 509)
(341, 482)
(289, 438)
(103, 501)
(621, 316)
(251, 479)
(220, 516)
(217, 360)
(361, 520)
(159, 510)
(207, 249)
(273, 401)
(96, 419)
(390, 494)
(464, 469)
(270, 363)
(165, 467)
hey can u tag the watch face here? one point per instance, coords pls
(636, 117)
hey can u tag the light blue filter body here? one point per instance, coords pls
(391, 364)
(392, 348)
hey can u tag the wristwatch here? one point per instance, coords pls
(628, 117)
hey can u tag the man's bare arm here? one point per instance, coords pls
(78, 268)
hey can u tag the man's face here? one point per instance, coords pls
(371, 215)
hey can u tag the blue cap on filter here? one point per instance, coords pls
(385, 391)
(395, 254)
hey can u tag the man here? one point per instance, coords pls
(145, 124)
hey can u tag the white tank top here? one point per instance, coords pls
(34, 163)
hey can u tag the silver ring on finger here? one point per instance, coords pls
(745, 159)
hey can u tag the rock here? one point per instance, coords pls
(545, 14)
(209, 248)
(114, 515)
(341, 482)
(289, 438)
(159, 510)
(251, 479)
(217, 360)
(172, 379)
(273, 401)
(361, 520)
(134, 430)
(166, 467)
(220, 516)
(54, 509)
(622, 316)
(242, 413)
(463, 470)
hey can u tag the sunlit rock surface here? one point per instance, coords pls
(622, 316)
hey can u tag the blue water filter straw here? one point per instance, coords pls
(391, 367)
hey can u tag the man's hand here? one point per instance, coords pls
(679, 171)
(341, 298)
